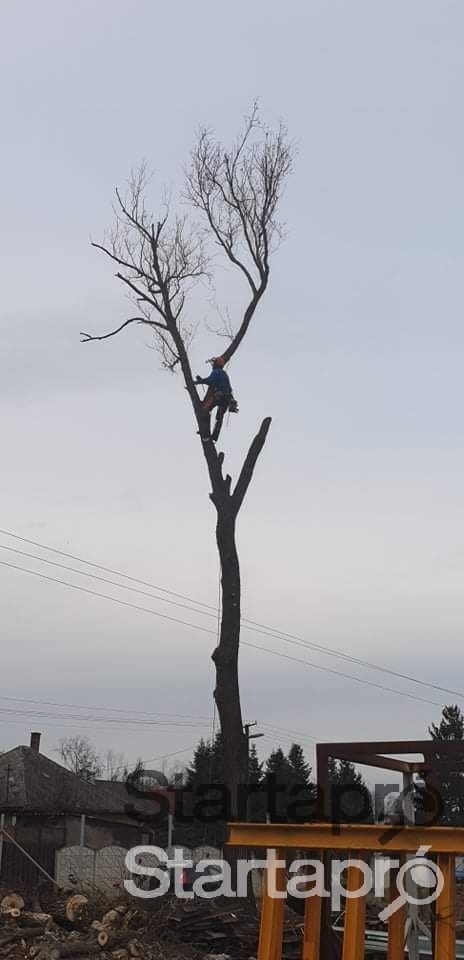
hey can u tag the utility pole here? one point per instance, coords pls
(250, 736)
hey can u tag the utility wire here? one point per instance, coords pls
(245, 643)
(338, 673)
(256, 625)
(105, 596)
(113, 583)
(8, 711)
(99, 566)
(91, 706)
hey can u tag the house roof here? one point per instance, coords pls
(32, 783)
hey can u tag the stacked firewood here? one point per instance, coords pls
(87, 925)
(74, 929)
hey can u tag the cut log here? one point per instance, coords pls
(78, 948)
(111, 919)
(23, 933)
(13, 901)
(75, 907)
(12, 914)
(135, 949)
(28, 919)
(108, 938)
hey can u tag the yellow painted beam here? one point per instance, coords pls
(355, 916)
(363, 837)
(396, 922)
(272, 915)
(445, 930)
(312, 926)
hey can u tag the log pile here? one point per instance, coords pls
(74, 927)
(80, 926)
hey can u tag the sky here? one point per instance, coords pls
(352, 536)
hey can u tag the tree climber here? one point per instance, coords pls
(219, 394)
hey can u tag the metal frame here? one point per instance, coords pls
(440, 757)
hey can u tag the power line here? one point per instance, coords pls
(245, 643)
(287, 741)
(90, 706)
(113, 583)
(256, 626)
(99, 566)
(8, 711)
(105, 596)
(292, 733)
(175, 753)
(338, 673)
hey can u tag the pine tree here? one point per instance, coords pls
(301, 770)
(290, 792)
(256, 806)
(277, 778)
(255, 768)
(302, 791)
(349, 804)
(206, 770)
(451, 727)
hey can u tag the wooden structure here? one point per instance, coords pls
(355, 841)
(439, 758)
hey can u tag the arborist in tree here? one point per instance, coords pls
(219, 394)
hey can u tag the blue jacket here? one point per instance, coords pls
(219, 380)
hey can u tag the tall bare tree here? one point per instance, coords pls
(79, 755)
(236, 193)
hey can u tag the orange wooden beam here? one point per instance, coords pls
(365, 837)
(445, 930)
(272, 914)
(355, 916)
(396, 921)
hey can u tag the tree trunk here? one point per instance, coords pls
(227, 692)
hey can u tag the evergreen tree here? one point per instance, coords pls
(301, 771)
(255, 768)
(451, 727)
(352, 805)
(277, 778)
(202, 799)
(302, 791)
(207, 764)
(290, 792)
(256, 805)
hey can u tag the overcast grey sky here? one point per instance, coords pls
(353, 533)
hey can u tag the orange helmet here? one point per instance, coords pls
(218, 362)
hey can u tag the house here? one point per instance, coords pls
(44, 807)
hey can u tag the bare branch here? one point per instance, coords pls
(86, 337)
(159, 260)
(226, 331)
(238, 191)
(249, 464)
